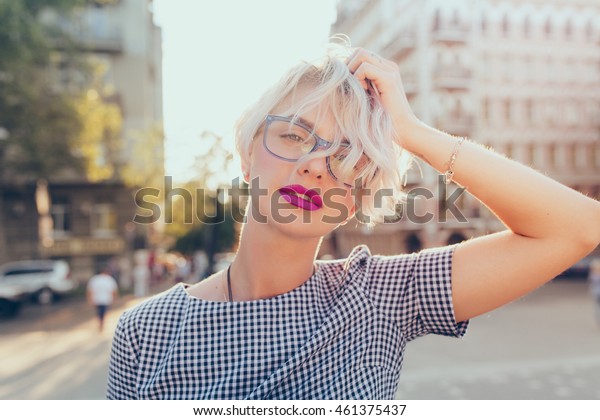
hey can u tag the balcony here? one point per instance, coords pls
(451, 33)
(84, 246)
(400, 46)
(99, 42)
(96, 30)
(456, 124)
(452, 77)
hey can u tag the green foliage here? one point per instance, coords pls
(193, 221)
(216, 233)
(146, 170)
(49, 124)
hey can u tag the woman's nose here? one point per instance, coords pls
(315, 167)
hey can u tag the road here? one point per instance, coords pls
(56, 352)
(544, 346)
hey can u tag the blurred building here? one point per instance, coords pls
(522, 77)
(92, 221)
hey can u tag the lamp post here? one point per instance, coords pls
(4, 135)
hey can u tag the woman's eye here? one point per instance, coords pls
(293, 137)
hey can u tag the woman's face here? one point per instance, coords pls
(301, 199)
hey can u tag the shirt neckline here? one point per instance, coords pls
(184, 286)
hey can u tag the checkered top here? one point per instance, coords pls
(340, 335)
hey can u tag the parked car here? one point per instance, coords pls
(579, 270)
(39, 280)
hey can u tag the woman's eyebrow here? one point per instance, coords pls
(310, 125)
(302, 121)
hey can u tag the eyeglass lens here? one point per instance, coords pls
(291, 142)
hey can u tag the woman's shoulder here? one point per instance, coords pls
(158, 307)
(356, 259)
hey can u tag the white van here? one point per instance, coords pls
(40, 280)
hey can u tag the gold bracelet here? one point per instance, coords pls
(450, 171)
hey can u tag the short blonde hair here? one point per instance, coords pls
(328, 87)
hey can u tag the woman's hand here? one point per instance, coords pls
(384, 77)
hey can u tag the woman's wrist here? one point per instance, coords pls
(409, 131)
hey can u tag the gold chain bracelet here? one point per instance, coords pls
(450, 171)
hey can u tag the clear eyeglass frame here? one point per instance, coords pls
(319, 143)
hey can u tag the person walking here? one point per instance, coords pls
(102, 290)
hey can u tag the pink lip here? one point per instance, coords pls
(293, 195)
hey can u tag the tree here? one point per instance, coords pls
(213, 228)
(99, 141)
(50, 125)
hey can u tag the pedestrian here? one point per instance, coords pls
(322, 144)
(102, 290)
(594, 279)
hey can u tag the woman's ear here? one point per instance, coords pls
(246, 166)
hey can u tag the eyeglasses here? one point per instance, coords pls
(290, 140)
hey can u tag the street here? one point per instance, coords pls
(544, 346)
(56, 352)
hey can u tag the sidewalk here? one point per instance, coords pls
(56, 352)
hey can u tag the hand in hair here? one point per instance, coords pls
(381, 77)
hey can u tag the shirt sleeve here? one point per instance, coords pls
(415, 291)
(122, 367)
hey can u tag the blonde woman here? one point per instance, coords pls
(279, 324)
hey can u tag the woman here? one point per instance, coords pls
(277, 324)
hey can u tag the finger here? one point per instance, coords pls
(351, 56)
(365, 56)
(369, 73)
(359, 57)
(372, 87)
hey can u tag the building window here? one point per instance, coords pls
(104, 220)
(589, 31)
(455, 18)
(530, 151)
(552, 155)
(580, 156)
(527, 27)
(507, 106)
(548, 28)
(538, 157)
(571, 157)
(437, 20)
(568, 30)
(60, 211)
(596, 155)
(529, 111)
(505, 25)
(485, 110)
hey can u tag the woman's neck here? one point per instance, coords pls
(269, 262)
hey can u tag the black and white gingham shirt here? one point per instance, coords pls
(340, 335)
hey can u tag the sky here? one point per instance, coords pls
(220, 56)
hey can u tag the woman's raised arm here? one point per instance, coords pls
(550, 226)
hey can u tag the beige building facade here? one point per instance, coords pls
(522, 77)
(92, 221)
